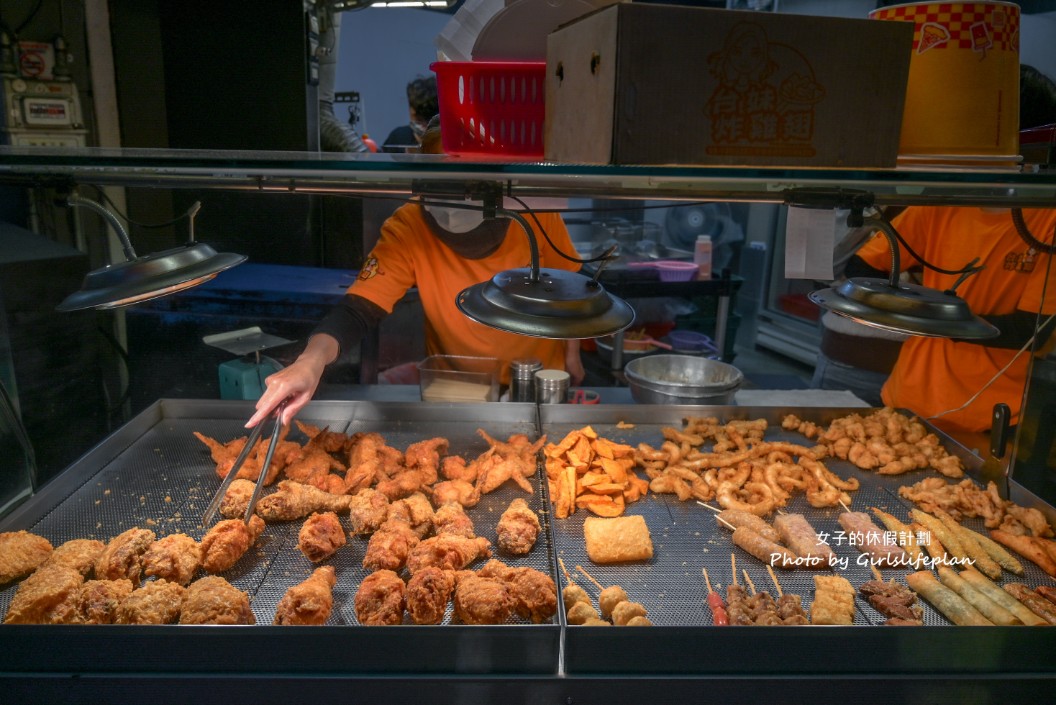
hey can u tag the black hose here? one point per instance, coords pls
(1027, 236)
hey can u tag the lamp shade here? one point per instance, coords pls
(150, 277)
(905, 308)
(556, 304)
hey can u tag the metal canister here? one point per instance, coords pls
(551, 386)
(522, 378)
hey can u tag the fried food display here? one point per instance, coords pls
(884, 441)
(617, 540)
(175, 558)
(48, 596)
(157, 602)
(320, 536)
(518, 528)
(586, 471)
(295, 500)
(984, 585)
(447, 552)
(833, 600)
(428, 594)
(481, 600)
(534, 593)
(310, 602)
(20, 554)
(123, 555)
(98, 600)
(949, 603)
(213, 600)
(228, 540)
(381, 599)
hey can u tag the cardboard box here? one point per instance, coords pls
(661, 84)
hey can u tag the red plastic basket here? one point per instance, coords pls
(491, 107)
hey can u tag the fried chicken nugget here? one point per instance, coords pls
(428, 592)
(228, 541)
(20, 554)
(309, 602)
(123, 555)
(381, 599)
(320, 536)
(48, 596)
(175, 557)
(213, 600)
(157, 602)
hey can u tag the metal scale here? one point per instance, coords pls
(244, 378)
(41, 105)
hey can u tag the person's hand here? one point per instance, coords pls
(297, 383)
(574, 363)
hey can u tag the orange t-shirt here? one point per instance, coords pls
(408, 254)
(933, 375)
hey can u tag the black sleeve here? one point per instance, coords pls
(857, 267)
(350, 320)
(1016, 329)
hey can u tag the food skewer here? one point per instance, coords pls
(609, 597)
(777, 585)
(719, 616)
(748, 579)
(590, 577)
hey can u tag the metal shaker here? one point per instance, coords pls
(522, 379)
(551, 386)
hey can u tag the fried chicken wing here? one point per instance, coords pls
(236, 499)
(123, 556)
(320, 536)
(294, 500)
(98, 600)
(518, 528)
(79, 554)
(459, 491)
(330, 441)
(424, 456)
(534, 592)
(225, 454)
(414, 509)
(455, 467)
(389, 546)
(21, 553)
(213, 600)
(381, 599)
(175, 557)
(428, 592)
(310, 602)
(48, 596)
(402, 484)
(367, 511)
(451, 518)
(447, 552)
(480, 600)
(228, 541)
(312, 463)
(495, 469)
(157, 602)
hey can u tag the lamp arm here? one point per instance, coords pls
(889, 232)
(126, 244)
(533, 246)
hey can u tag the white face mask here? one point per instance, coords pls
(455, 220)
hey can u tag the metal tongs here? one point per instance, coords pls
(210, 511)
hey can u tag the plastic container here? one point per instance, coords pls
(690, 341)
(459, 378)
(702, 256)
(682, 379)
(491, 107)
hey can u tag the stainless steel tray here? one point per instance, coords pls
(154, 473)
(686, 537)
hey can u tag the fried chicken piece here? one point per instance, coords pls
(428, 592)
(390, 545)
(416, 510)
(294, 500)
(21, 553)
(79, 554)
(518, 528)
(213, 600)
(534, 593)
(451, 518)
(225, 454)
(371, 448)
(496, 469)
(454, 467)
(480, 600)
(330, 441)
(236, 499)
(424, 456)
(48, 596)
(362, 476)
(367, 511)
(381, 599)
(311, 464)
(123, 556)
(157, 602)
(228, 541)
(308, 603)
(320, 536)
(98, 600)
(517, 445)
(459, 491)
(447, 552)
(175, 557)
(402, 484)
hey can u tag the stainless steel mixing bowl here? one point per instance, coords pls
(682, 379)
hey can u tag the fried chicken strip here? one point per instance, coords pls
(213, 600)
(228, 541)
(310, 602)
(518, 528)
